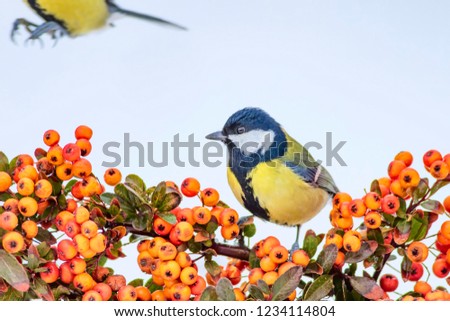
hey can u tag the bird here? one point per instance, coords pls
(272, 175)
(74, 18)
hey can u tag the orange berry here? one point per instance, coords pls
(170, 270)
(62, 219)
(202, 215)
(340, 198)
(344, 222)
(405, 157)
(85, 146)
(183, 259)
(50, 273)
(23, 160)
(422, 287)
(104, 290)
(390, 204)
(77, 265)
(127, 293)
(92, 295)
(115, 282)
(8, 221)
(43, 188)
(285, 267)
(269, 243)
(344, 210)
(267, 264)
(430, 157)
(143, 293)
(167, 251)
(161, 227)
(199, 285)
(409, 178)
(71, 152)
(351, 243)
(357, 208)
(239, 295)
(55, 155)
(185, 215)
(279, 254)
(5, 181)
(98, 243)
(188, 275)
(229, 232)
(395, 167)
(64, 171)
(44, 166)
(190, 187)
(270, 277)
(83, 131)
(180, 292)
(81, 243)
(145, 261)
(155, 244)
(65, 274)
(28, 206)
(333, 238)
(441, 268)
(340, 260)
(184, 231)
(81, 215)
(255, 275)
(158, 295)
(25, 186)
(228, 217)
(372, 201)
(209, 196)
(66, 250)
(397, 189)
(13, 242)
(51, 137)
(82, 168)
(11, 205)
(439, 169)
(143, 245)
(417, 252)
(83, 282)
(300, 257)
(389, 282)
(447, 204)
(445, 230)
(372, 220)
(112, 176)
(89, 229)
(30, 229)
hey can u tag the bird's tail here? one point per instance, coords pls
(113, 8)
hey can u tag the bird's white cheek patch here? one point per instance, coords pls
(253, 141)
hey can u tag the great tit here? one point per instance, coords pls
(76, 17)
(270, 173)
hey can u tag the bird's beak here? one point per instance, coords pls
(216, 136)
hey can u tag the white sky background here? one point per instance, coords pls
(375, 74)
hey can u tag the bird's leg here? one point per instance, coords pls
(21, 22)
(54, 29)
(296, 245)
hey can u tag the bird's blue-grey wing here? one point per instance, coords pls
(316, 175)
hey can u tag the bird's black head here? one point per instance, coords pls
(252, 136)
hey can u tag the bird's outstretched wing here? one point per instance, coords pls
(300, 161)
(113, 8)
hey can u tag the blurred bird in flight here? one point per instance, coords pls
(74, 18)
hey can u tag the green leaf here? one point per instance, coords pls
(313, 268)
(107, 197)
(401, 212)
(327, 257)
(140, 222)
(375, 235)
(366, 250)
(209, 294)
(375, 187)
(152, 286)
(4, 163)
(250, 230)
(340, 289)
(193, 246)
(69, 185)
(168, 217)
(401, 232)
(13, 272)
(43, 249)
(434, 206)
(367, 287)
(213, 268)
(286, 283)
(406, 268)
(419, 228)
(256, 292)
(33, 257)
(42, 289)
(135, 182)
(319, 289)
(420, 191)
(224, 290)
(12, 164)
(310, 243)
(60, 291)
(158, 194)
(263, 286)
(438, 185)
(11, 295)
(253, 260)
(136, 282)
(211, 227)
(170, 201)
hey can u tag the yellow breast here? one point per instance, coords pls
(79, 16)
(288, 199)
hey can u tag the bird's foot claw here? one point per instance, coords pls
(294, 248)
(52, 28)
(29, 27)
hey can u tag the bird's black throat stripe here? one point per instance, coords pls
(47, 17)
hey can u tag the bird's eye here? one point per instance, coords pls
(240, 130)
